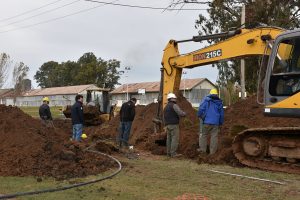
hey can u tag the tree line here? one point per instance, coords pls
(88, 69)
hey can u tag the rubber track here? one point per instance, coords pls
(266, 163)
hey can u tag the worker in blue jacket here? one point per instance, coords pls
(211, 114)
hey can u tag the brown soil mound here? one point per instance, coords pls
(91, 114)
(29, 149)
(242, 115)
(248, 114)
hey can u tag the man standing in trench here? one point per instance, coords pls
(127, 114)
(211, 112)
(77, 118)
(172, 114)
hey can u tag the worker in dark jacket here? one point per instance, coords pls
(77, 118)
(172, 114)
(211, 112)
(127, 114)
(45, 113)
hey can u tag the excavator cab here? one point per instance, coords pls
(282, 86)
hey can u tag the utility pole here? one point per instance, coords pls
(243, 88)
(127, 69)
(184, 73)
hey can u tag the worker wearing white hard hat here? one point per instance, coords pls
(172, 114)
(171, 96)
(45, 113)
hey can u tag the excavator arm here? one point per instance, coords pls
(241, 43)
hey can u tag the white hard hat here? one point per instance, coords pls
(171, 96)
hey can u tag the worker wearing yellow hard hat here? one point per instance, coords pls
(45, 113)
(213, 91)
(211, 116)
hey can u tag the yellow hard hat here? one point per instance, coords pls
(46, 99)
(83, 136)
(213, 91)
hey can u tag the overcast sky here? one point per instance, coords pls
(134, 36)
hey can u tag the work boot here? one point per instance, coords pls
(176, 155)
(120, 144)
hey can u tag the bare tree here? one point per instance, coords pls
(5, 63)
(19, 74)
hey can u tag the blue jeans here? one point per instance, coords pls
(124, 132)
(77, 132)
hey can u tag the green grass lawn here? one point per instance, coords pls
(159, 177)
(34, 111)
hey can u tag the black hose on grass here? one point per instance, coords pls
(8, 196)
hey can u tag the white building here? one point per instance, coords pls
(59, 96)
(147, 92)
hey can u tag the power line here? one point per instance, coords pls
(29, 11)
(42, 13)
(86, 10)
(143, 7)
(55, 19)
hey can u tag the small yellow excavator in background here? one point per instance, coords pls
(276, 149)
(95, 112)
(92, 115)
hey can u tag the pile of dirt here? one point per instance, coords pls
(91, 114)
(29, 149)
(242, 115)
(248, 114)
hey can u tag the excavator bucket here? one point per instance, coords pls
(159, 136)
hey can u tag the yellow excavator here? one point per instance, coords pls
(276, 149)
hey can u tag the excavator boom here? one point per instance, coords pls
(244, 43)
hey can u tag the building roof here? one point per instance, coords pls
(6, 93)
(63, 90)
(154, 86)
(3, 91)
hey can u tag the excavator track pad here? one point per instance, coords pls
(275, 149)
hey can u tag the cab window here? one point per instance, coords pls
(285, 77)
